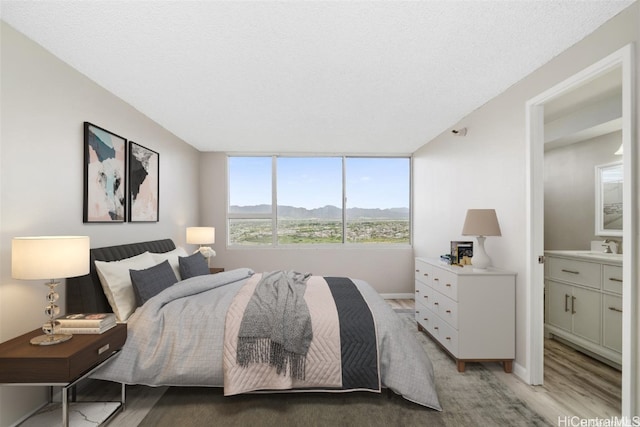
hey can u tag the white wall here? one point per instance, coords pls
(569, 191)
(388, 270)
(44, 103)
(487, 168)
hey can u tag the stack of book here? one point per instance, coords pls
(92, 323)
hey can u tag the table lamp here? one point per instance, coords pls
(202, 236)
(49, 257)
(481, 223)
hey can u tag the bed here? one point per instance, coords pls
(177, 336)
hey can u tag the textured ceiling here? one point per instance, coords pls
(307, 77)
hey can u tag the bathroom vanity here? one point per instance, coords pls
(583, 302)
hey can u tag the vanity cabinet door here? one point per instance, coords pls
(586, 307)
(559, 305)
(612, 322)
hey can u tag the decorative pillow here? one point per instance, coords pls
(116, 282)
(194, 265)
(150, 282)
(172, 257)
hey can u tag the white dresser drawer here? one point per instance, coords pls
(445, 282)
(445, 334)
(424, 317)
(423, 294)
(575, 271)
(445, 308)
(612, 278)
(422, 272)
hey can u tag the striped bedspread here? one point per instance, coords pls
(343, 354)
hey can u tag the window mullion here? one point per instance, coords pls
(274, 200)
(344, 200)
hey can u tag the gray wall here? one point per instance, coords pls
(569, 191)
(44, 103)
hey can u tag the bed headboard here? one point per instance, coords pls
(85, 294)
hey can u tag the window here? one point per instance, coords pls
(318, 200)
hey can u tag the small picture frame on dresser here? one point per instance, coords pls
(461, 252)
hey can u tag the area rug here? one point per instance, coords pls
(473, 398)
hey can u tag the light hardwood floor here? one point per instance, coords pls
(574, 383)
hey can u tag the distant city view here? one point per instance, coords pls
(321, 226)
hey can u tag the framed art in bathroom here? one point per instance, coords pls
(608, 195)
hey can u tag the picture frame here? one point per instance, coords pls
(105, 176)
(144, 183)
(609, 196)
(461, 252)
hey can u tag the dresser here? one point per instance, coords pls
(583, 302)
(470, 313)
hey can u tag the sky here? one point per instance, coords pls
(312, 182)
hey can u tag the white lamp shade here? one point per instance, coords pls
(201, 235)
(481, 222)
(49, 257)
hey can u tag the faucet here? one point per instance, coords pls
(607, 245)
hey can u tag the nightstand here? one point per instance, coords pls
(61, 365)
(214, 270)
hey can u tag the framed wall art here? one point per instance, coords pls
(144, 184)
(105, 175)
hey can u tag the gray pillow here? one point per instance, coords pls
(193, 265)
(150, 282)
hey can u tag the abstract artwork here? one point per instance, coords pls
(144, 167)
(104, 175)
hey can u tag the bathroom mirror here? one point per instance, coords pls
(609, 199)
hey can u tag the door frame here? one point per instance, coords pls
(624, 59)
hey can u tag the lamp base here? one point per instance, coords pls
(480, 260)
(50, 339)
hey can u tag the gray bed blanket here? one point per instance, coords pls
(276, 325)
(176, 339)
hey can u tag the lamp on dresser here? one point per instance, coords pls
(49, 257)
(202, 236)
(481, 223)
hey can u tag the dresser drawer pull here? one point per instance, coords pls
(573, 305)
(448, 285)
(426, 274)
(436, 328)
(449, 311)
(417, 271)
(417, 291)
(448, 338)
(436, 279)
(425, 296)
(426, 319)
(570, 271)
(615, 309)
(566, 303)
(436, 303)
(103, 349)
(613, 279)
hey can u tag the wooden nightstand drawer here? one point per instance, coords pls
(23, 362)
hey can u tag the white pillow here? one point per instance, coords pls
(172, 257)
(116, 282)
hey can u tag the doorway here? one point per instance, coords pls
(622, 59)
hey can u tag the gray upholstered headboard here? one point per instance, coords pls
(85, 294)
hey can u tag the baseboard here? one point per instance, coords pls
(521, 372)
(397, 296)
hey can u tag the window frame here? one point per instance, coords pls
(273, 215)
